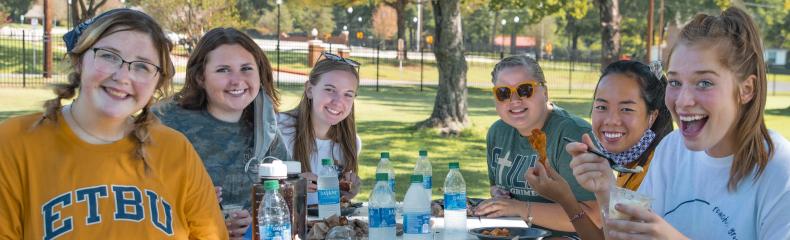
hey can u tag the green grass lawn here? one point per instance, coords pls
(386, 122)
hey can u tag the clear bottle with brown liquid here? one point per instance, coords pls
(293, 188)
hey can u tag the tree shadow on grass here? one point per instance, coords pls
(401, 99)
(9, 114)
(403, 140)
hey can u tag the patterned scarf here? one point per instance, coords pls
(632, 153)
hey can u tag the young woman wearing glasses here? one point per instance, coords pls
(102, 166)
(322, 125)
(522, 102)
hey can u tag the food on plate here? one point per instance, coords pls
(497, 232)
(538, 141)
(318, 229)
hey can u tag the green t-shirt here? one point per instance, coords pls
(509, 155)
(224, 147)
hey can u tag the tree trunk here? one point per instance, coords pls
(82, 12)
(400, 12)
(493, 31)
(450, 108)
(572, 29)
(610, 32)
(75, 18)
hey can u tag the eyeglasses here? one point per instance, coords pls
(502, 93)
(109, 62)
(337, 58)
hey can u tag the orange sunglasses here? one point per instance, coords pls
(525, 89)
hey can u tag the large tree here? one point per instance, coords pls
(400, 12)
(383, 25)
(307, 16)
(578, 22)
(193, 17)
(84, 9)
(450, 107)
(15, 8)
(610, 30)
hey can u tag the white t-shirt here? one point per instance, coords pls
(689, 191)
(324, 149)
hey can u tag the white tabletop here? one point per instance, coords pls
(438, 222)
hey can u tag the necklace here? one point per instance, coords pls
(71, 112)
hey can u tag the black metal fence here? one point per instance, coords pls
(21, 61)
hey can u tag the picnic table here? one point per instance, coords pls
(438, 222)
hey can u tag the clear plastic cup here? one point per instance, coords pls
(627, 197)
(227, 209)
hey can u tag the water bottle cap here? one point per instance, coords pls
(423, 153)
(274, 169)
(454, 165)
(382, 177)
(271, 185)
(416, 178)
(327, 162)
(385, 154)
(294, 167)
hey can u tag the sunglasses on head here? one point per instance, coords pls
(502, 93)
(337, 58)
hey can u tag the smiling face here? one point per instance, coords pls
(117, 94)
(522, 113)
(231, 80)
(701, 97)
(332, 97)
(620, 116)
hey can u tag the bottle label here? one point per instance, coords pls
(417, 223)
(328, 196)
(455, 201)
(276, 232)
(381, 217)
(392, 184)
(426, 182)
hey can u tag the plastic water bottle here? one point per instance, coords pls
(328, 190)
(381, 210)
(423, 167)
(416, 211)
(454, 204)
(273, 218)
(386, 167)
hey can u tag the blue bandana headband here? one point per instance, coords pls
(632, 153)
(71, 37)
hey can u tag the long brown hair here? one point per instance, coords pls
(193, 96)
(740, 50)
(117, 21)
(343, 133)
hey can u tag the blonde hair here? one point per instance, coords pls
(117, 21)
(343, 133)
(741, 51)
